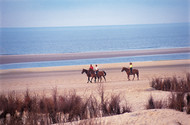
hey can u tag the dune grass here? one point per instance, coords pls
(154, 104)
(34, 109)
(180, 93)
(172, 84)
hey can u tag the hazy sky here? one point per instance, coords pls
(47, 13)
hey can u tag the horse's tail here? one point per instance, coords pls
(138, 74)
(104, 73)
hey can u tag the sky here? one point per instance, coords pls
(59, 13)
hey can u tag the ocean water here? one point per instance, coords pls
(19, 41)
(16, 41)
(97, 61)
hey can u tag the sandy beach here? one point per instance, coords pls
(68, 78)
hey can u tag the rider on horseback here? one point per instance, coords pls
(97, 70)
(131, 67)
(91, 69)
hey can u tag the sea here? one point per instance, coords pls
(80, 39)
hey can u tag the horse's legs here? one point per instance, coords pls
(100, 78)
(128, 77)
(95, 80)
(88, 79)
(137, 76)
(91, 79)
(133, 76)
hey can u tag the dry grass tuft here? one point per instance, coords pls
(171, 84)
(177, 101)
(57, 108)
(179, 89)
(188, 103)
(154, 104)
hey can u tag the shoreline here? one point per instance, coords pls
(141, 64)
(8, 59)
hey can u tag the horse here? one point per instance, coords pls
(135, 71)
(101, 74)
(89, 74)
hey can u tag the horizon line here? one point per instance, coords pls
(93, 25)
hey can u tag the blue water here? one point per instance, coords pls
(19, 41)
(97, 61)
(15, 41)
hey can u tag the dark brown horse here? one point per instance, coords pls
(135, 71)
(89, 74)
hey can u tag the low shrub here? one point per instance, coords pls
(154, 104)
(188, 103)
(56, 109)
(177, 101)
(172, 84)
(178, 89)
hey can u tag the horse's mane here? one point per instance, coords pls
(88, 70)
(125, 68)
(84, 70)
(91, 70)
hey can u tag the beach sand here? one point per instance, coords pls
(69, 78)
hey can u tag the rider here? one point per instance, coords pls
(91, 68)
(131, 67)
(96, 69)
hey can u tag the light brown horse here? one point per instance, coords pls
(135, 71)
(101, 74)
(92, 74)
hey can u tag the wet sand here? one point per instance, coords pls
(5, 59)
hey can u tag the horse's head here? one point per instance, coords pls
(122, 69)
(83, 70)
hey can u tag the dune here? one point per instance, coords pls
(143, 117)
